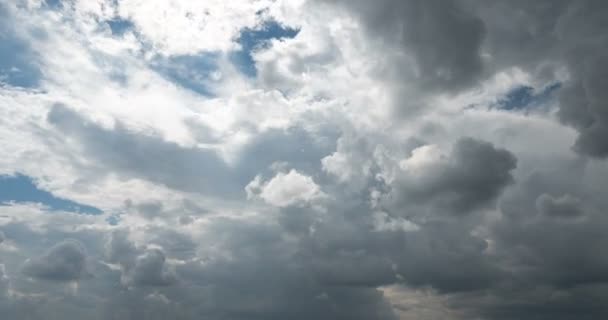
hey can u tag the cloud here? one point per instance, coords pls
(3, 282)
(189, 169)
(471, 177)
(547, 36)
(387, 160)
(211, 26)
(65, 261)
(150, 270)
(424, 31)
(119, 249)
(253, 39)
(285, 189)
(139, 266)
(564, 206)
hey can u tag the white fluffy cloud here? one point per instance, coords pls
(285, 189)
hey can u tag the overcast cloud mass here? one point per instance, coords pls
(304, 159)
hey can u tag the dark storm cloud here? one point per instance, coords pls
(564, 206)
(66, 261)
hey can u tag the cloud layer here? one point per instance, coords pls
(310, 159)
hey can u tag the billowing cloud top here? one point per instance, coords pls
(309, 159)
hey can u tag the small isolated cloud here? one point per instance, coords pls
(285, 189)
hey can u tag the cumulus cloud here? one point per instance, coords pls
(150, 269)
(472, 176)
(424, 30)
(285, 189)
(372, 167)
(139, 267)
(65, 261)
(547, 36)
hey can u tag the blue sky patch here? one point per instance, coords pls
(192, 72)
(53, 4)
(119, 26)
(17, 62)
(22, 189)
(252, 39)
(113, 220)
(524, 97)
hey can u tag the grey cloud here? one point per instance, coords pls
(447, 38)
(443, 38)
(563, 206)
(295, 146)
(148, 157)
(582, 30)
(140, 267)
(549, 241)
(119, 249)
(3, 282)
(538, 255)
(66, 261)
(186, 169)
(175, 244)
(2, 237)
(150, 209)
(151, 270)
(543, 36)
(473, 176)
(347, 251)
(261, 268)
(550, 258)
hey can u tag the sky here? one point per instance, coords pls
(303, 159)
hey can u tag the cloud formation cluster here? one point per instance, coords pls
(386, 160)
